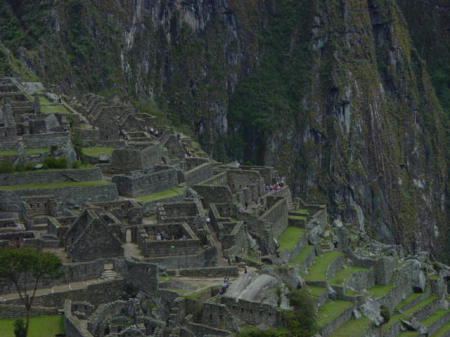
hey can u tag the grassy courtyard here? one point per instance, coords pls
(289, 238)
(169, 193)
(96, 151)
(40, 326)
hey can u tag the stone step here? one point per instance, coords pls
(436, 320)
(412, 300)
(422, 309)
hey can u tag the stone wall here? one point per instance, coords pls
(253, 313)
(38, 141)
(230, 271)
(204, 330)
(206, 258)
(72, 272)
(72, 325)
(76, 194)
(146, 182)
(98, 293)
(277, 216)
(214, 194)
(142, 275)
(51, 176)
(336, 323)
(198, 174)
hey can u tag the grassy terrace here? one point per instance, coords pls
(330, 311)
(302, 255)
(40, 326)
(353, 328)
(409, 299)
(380, 291)
(55, 185)
(44, 100)
(54, 108)
(318, 270)
(301, 211)
(27, 151)
(96, 151)
(316, 291)
(420, 305)
(434, 317)
(169, 193)
(343, 275)
(289, 238)
(442, 331)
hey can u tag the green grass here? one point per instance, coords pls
(409, 334)
(302, 255)
(96, 151)
(330, 311)
(344, 274)
(316, 291)
(379, 291)
(409, 299)
(27, 151)
(55, 185)
(55, 108)
(44, 100)
(40, 326)
(289, 238)
(169, 193)
(298, 217)
(318, 270)
(394, 318)
(420, 305)
(353, 328)
(442, 331)
(435, 316)
(301, 211)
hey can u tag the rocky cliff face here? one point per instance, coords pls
(333, 93)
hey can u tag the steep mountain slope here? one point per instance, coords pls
(333, 93)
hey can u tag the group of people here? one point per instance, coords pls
(275, 187)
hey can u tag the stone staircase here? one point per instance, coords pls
(109, 273)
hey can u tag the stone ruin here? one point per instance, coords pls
(159, 240)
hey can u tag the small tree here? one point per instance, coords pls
(25, 267)
(302, 320)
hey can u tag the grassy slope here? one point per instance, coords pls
(40, 326)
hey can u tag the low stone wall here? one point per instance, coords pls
(149, 207)
(210, 272)
(335, 266)
(336, 323)
(198, 174)
(72, 325)
(72, 272)
(204, 330)
(17, 311)
(98, 293)
(45, 177)
(75, 194)
(206, 258)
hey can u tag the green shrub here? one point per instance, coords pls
(24, 167)
(385, 313)
(55, 163)
(19, 328)
(77, 164)
(6, 167)
(302, 320)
